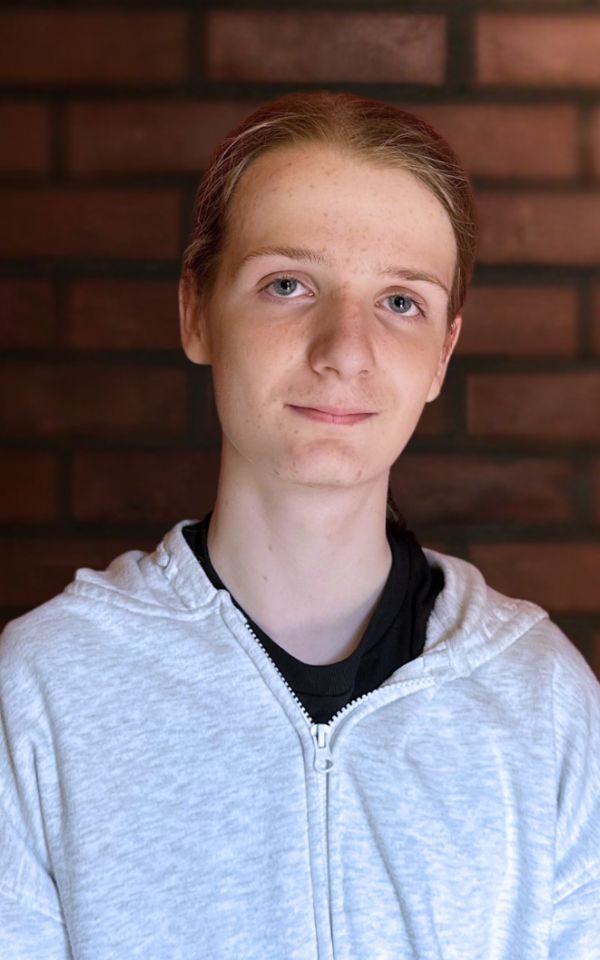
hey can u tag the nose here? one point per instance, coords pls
(341, 343)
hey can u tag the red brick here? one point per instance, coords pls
(537, 406)
(597, 490)
(435, 419)
(66, 223)
(122, 315)
(149, 136)
(115, 487)
(34, 570)
(274, 46)
(547, 50)
(560, 228)
(87, 399)
(25, 137)
(519, 321)
(501, 140)
(595, 140)
(27, 314)
(596, 320)
(28, 487)
(561, 577)
(92, 47)
(474, 489)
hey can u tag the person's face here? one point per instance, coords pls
(327, 325)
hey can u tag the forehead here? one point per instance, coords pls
(346, 207)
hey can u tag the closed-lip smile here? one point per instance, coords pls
(336, 415)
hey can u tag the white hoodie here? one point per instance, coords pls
(163, 794)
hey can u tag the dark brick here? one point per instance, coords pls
(27, 314)
(561, 577)
(82, 400)
(474, 489)
(28, 487)
(92, 47)
(123, 314)
(69, 223)
(115, 487)
(520, 321)
(535, 406)
(276, 46)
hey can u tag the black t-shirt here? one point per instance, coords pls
(394, 635)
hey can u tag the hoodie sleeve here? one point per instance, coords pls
(27, 930)
(576, 909)
(31, 922)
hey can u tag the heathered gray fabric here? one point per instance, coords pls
(162, 796)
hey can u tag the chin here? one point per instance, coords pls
(320, 470)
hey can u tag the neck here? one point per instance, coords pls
(308, 565)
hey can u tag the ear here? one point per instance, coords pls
(193, 324)
(450, 341)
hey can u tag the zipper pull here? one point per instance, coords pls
(323, 758)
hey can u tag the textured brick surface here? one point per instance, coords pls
(595, 140)
(33, 570)
(70, 223)
(273, 46)
(596, 321)
(143, 487)
(108, 115)
(536, 50)
(27, 314)
(502, 140)
(436, 418)
(561, 577)
(81, 400)
(519, 321)
(28, 487)
(134, 136)
(92, 47)
(560, 228)
(122, 314)
(25, 137)
(544, 406)
(467, 489)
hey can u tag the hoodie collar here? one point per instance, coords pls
(470, 623)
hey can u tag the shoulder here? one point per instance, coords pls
(510, 638)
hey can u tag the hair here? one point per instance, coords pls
(370, 130)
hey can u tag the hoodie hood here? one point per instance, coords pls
(470, 624)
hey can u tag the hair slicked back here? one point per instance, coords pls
(371, 130)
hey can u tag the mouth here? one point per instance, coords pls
(333, 415)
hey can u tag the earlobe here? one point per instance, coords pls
(450, 342)
(192, 323)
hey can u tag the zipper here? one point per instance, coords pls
(320, 732)
(323, 760)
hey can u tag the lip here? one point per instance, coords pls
(334, 415)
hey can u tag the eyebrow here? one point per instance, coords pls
(315, 256)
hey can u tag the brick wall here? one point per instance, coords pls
(108, 112)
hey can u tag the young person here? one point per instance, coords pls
(290, 732)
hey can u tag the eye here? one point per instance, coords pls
(403, 305)
(284, 287)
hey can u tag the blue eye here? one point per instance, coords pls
(403, 305)
(286, 285)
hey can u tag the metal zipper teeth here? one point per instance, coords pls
(293, 693)
(306, 714)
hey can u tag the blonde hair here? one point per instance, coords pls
(371, 130)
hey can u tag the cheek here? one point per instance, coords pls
(413, 364)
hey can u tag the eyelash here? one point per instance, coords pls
(413, 299)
